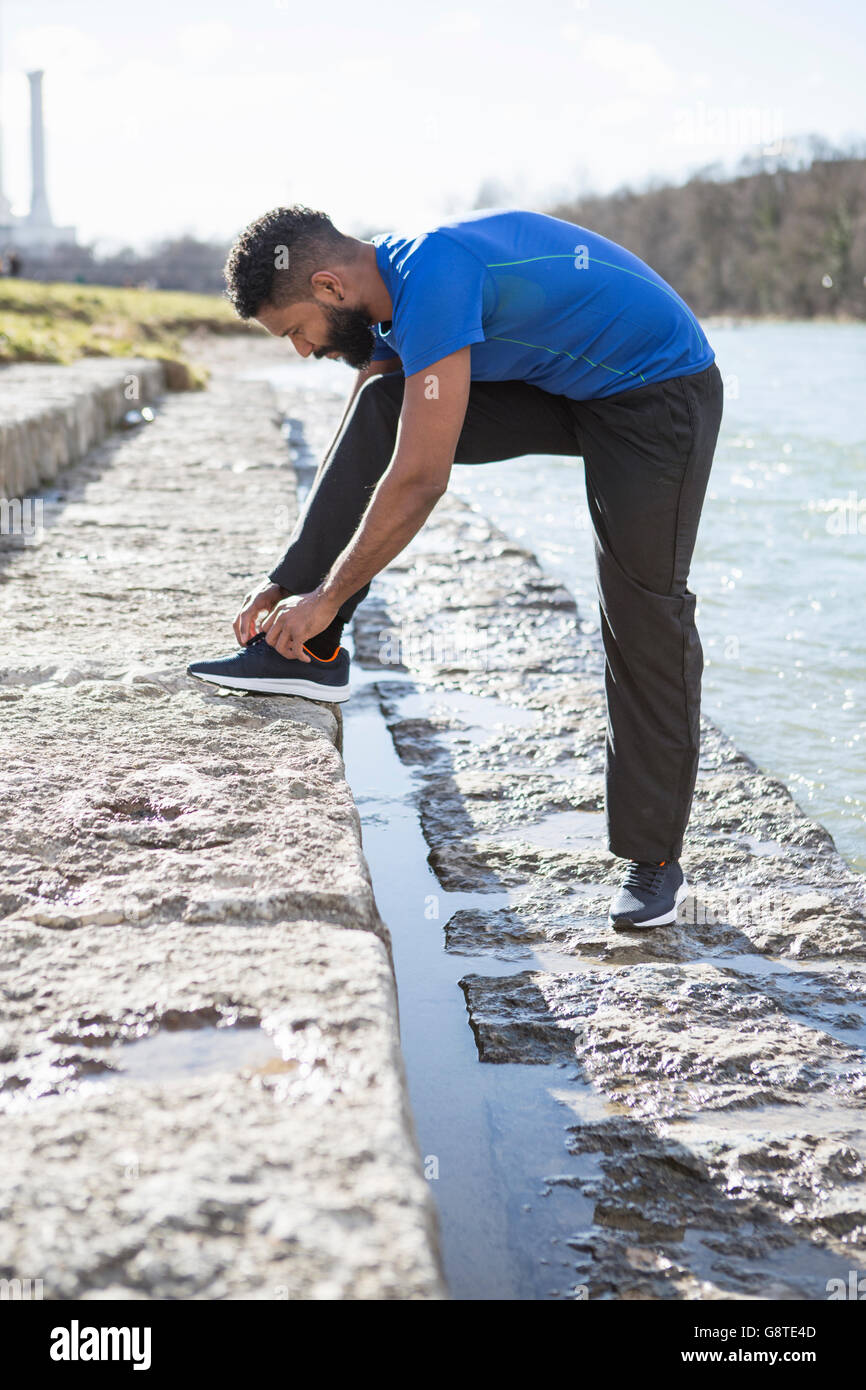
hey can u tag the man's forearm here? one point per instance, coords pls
(361, 378)
(397, 511)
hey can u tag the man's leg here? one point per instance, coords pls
(504, 419)
(647, 456)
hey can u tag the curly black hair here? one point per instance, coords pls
(274, 258)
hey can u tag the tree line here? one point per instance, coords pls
(179, 263)
(781, 241)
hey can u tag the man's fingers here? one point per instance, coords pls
(244, 625)
(264, 600)
(283, 641)
(287, 624)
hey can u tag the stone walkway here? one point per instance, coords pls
(200, 1074)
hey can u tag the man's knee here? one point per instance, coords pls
(382, 392)
(364, 447)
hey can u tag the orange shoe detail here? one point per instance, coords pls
(325, 659)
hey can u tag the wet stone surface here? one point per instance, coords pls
(721, 1059)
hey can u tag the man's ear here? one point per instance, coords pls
(329, 285)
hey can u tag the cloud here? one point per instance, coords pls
(204, 43)
(610, 115)
(458, 22)
(54, 46)
(636, 63)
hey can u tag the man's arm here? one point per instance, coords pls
(265, 594)
(434, 408)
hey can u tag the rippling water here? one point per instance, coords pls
(779, 566)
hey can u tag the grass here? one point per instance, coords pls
(55, 322)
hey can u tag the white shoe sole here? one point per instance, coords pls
(310, 690)
(663, 921)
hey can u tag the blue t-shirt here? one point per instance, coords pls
(538, 300)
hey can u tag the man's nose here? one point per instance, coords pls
(303, 348)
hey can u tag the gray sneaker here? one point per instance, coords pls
(649, 895)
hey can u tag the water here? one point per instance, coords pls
(779, 564)
(491, 1137)
(190, 1052)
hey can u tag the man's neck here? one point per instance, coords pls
(373, 292)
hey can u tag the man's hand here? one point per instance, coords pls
(432, 417)
(262, 599)
(291, 622)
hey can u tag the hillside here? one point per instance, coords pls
(789, 243)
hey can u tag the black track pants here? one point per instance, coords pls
(647, 456)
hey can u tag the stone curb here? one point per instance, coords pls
(50, 416)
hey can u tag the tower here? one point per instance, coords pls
(35, 232)
(40, 215)
(5, 205)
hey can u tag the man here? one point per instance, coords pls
(496, 335)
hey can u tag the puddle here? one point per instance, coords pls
(561, 830)
(456, 708)
(762, 849)
(166, 1056)
(763, 1123)
(801, 1266)
(804, 996)
(171, 1054)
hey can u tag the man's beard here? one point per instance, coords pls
(351, 335)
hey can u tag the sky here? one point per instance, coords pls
(196, 116)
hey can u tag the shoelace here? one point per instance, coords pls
(644, 874)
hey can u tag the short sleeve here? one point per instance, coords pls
(441, 300)
(383, 349)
